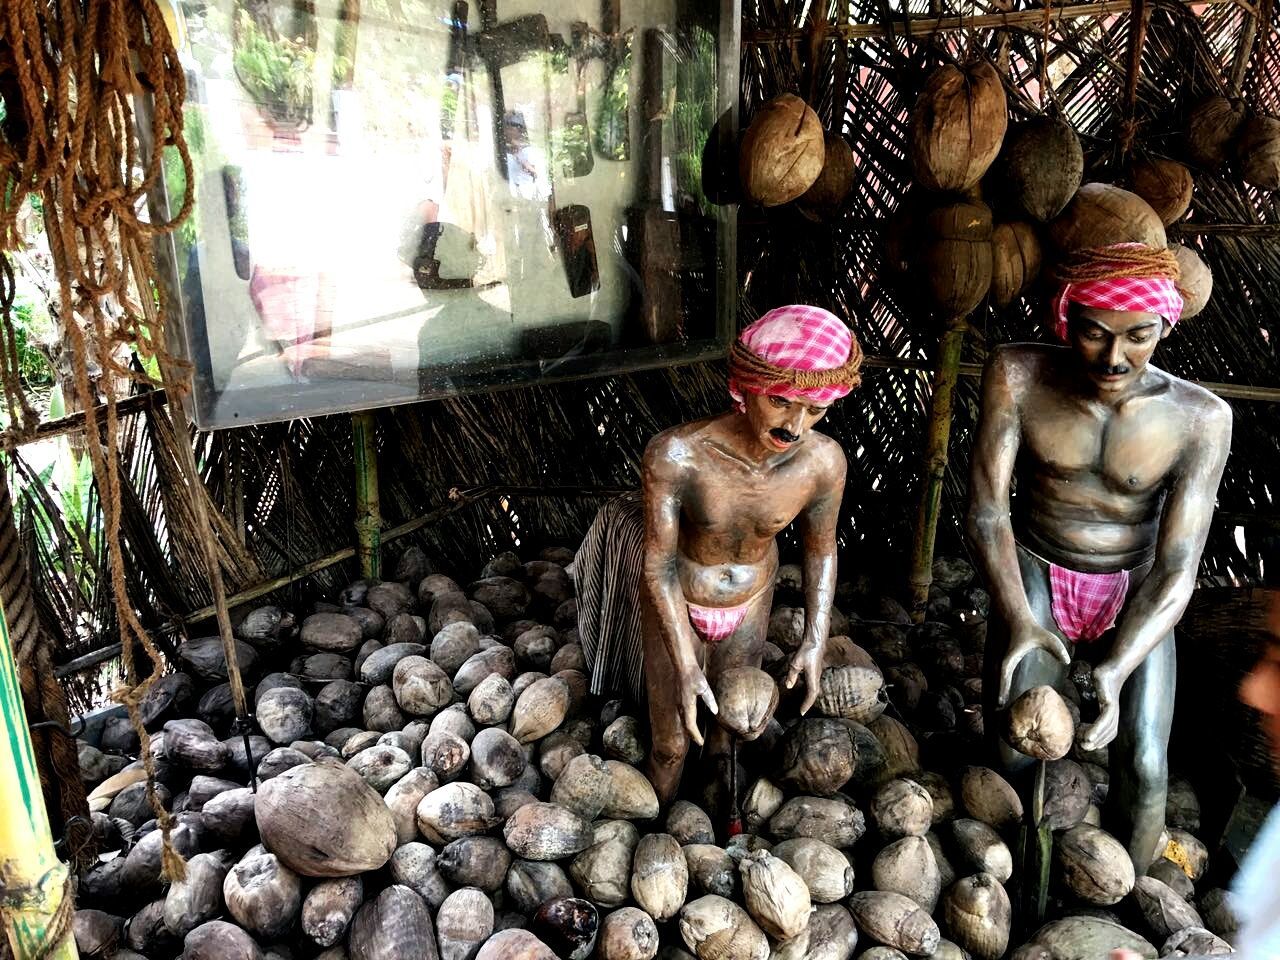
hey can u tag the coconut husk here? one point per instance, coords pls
(853, 692)
(395, 925)
(380, 766)
(1165, 184)
(989, 797)
(955, 244)
(827, 194)
(715, 928)
(1041, 166)
(382, 713)
(219, 940)
(775, 895)
(977, 915)
(1067, 794)
(603, 870)
(830, 820)
(263, 895)
(1195, 282)
(329, 908)
(711, 869)
(1039, 725)
(957, 126)
(782, 153)
(531, 884)
(1212, 129)
(747, 697)
(1094, 866)
(689, 823)
(463, 923)
(631, 795)
(416, 866)
(1100, 215)
(895, 921)
(546, 831)
(981, 849)
(902, 808)
(825, 870)
(1015, 260)
(761, 802)
(908, 866)
(817, 756)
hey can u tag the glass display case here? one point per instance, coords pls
(406, 199)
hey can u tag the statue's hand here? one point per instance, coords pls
(693, 685)
(807, 660)
(1022, 641)
(1096, 735)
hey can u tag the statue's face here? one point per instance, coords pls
(1261, 688)
(1114, 346)
(778, 423)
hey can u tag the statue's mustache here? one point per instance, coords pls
(785, 435)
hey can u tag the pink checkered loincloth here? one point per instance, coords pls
(1086, 605)
(716, 623)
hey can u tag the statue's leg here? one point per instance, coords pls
(1038, 668)
(1140, 755)
(669, 742)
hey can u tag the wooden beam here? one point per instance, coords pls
(74, 422)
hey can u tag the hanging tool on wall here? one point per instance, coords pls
(502, 44)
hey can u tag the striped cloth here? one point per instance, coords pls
(1086, 605)
(608, 572)
(1153, 294)
(798, 337)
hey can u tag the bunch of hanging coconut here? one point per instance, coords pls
(455, 786)
(783, 151)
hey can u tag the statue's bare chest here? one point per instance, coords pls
(726, 503)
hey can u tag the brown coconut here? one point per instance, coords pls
(659, 876)
(981, 848)
(689, 823)
(1212, 129)
(895, 921)
(853, 692)
(828, 193)
(817, 756)
(902, 753)
(1039, 724)
(902, 808)
(1100, 215)
(463, 923)
(603, 870)
(455, 810)
(1067, 794)
(825, 870)
(746, 697)
(541, 708)
(957, 125)
(1165, 184)
(711, 869)
(1195, 282)
(955, 243)
(1015, 260)
(1041, 166)
(989, 797)
(546, 831)
(830, 820)
(1164, 910)
(977, 914)
(718, 929)
(783, 151)
(325, 821)
(1094, 865)
(395, 925)
(762, 801)
(631, 795)
(774, 895)
(908, 866)
(416, 866)
(627, 934)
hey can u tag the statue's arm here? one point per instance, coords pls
(818, 523)
(995, 451)
(1158, 603)
(662, 471)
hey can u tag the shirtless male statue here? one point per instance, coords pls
(675, 585)
(1117, 466)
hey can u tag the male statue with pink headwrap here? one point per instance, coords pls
(675, 584)
(1095, 558)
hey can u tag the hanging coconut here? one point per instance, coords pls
(957, 125)
(1211, 130)
(783, 151)
(1195, 280)
(1165, 184)
(1041, 166)
(827, 195)
(1015, 260)
(956, 256)
(1258, 152)
(1100, 215)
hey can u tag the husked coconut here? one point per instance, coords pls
(783, 151)
(689, 823)
(907, 866)
(711, 868)
(1094, 865)
(382, 713)
(603, 870)
(977, 914)
(497, 759)
(624, 740)
(825, 870)
(420, 686)
(463, 923)
(381, 766)
(830, 820)
(718, 929)
(761, 802)
(584, 786)
(1195, 942)
(480, 862)
(852, 692)
(902, 753)
(331, 633)
(1081, 937)
(540, 709)
(329, 908)
(515, 945)
(1188, 852)
(895, 921)
(568, 925)
(659, 876)
(197, 897)
(1164, 910)
(219, 940)
(817, 756)
(981, 849)
(1039, 724)
(627, 934)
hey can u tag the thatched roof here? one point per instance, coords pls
(286, 490)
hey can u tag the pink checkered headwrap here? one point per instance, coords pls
(1152, 294)
(796, 338)
(1086, 605)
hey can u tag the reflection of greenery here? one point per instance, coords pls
(572, 147)
(613, 123)
(276, 73)
(694, 112)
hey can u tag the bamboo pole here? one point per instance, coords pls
(368, 510)
(36, 904)
(935, 463)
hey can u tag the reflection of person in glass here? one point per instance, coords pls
(523, 173)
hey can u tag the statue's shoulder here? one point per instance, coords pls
(1206, 407)
(676, 447)
(1014, 368)
(825, 451)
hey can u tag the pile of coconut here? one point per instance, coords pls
(434, 779)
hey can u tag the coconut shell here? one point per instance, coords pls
(1212, 129)
(957, 125)
(775, 895)
(603, 870)
(761, 802)
(1195, 942)
(540, 710)
(627, 934)
(546, 831)
(853, 692)
(989, 797)
(330, 907)
(1088, 938)
(263, 895)
(515, 945)
(395, 925)
(689, 823)
(1101, 215)
(1195, 282)
(1094, 865)
(1015, 260)
(1039, 725)
(977, 915)
(325, 821)
(463, 924)
(1041, 166)
(1258, 152)
(907, 866)
(584, 786)
(830, 820)
(1164, 911)
(1165, 184)
(718, 929)
(895, 921)
(219, 940)
(827, 195)
(747, 697)
(480, 862)
(956, 256)
(826, 871)
(817, 756)
(631, 795)
(416, 866)
(455, 810)
(981, 849)
(902, 808)
(782, 153)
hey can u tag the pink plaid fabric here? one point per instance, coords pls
(1086, 605)
(798, 337)
(715, 623)
(1157, 295)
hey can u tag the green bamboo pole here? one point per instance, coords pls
(935, 463)
(34, 897)
(368, 511)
